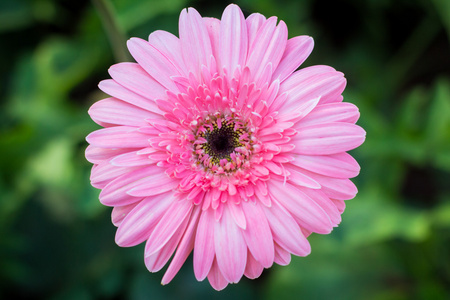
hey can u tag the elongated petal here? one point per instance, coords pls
(169, 45)
(282, 256)
(286, 231)
(304, 209)
(131, 159)
(105, 172)
(238, 214)
(313, 82)
(254, 22)
(298, 178)
(257, 234)
(297, 50)
(213, 28)
(168, 225)
(116, 90)
(233, 43)
(117, 112)
(156, 184)
(230, 247)
(195, 42)
(118, 137)
(97, 155)
(154, 62)
(328, 138)
(340, 205)
(339, 165)
(139, 223)
(268, 47)
(331, 112)
(254, 268)
(156, 261)
(115, 192)
(336, 188)
(133, 77)
(119, 213)
(204, 245)
(326, 203)
(184, 247)
(216, 278)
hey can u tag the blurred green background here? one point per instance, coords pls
(57, 240)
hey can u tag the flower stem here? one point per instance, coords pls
(114, 31)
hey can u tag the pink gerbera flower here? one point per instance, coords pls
(213, 143)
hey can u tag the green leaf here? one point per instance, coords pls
(443, 9)
(132, 14)
(438, 126)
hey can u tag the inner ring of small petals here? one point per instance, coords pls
(222, 143)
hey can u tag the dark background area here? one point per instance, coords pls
(57, 240)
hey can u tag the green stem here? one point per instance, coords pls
(115, 33)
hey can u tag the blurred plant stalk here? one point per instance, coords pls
(114, 31)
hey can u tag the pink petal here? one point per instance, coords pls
(299, 111)
(204, 245)
(233, 43)
(120, 212)
(230, 246)
(184, 248)
(97, 155)
(306, 212)
(268, 47)
(286, 231)
(133, 77)
(195, 42)
(213, 27)
(254, 268)
(282, 257)
(153, 62)
(215, 277)
(257, 234)
(169, 45)
(297, 50)
(238, 214)
(311, 83)
(157, 260)
(328, 138)
(273, 167)
(331, 112)
(114, 89)
(115, 193)
(299, 179)
(327, 205)
(340, 205)
(175, 215)
(340, 165)
(254, 22)
(336, 188)
(156, 184)
(261, 193)
(104, 172)
(117, 112)
(139, 223)
(118, 137)
(131, 159)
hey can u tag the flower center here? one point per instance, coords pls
(222, 141)
(221, 144)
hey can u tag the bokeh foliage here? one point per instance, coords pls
(56, 240)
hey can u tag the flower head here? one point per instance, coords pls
(214, 143)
